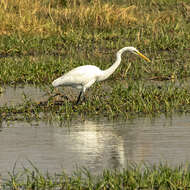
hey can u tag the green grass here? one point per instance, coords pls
(114, 102)
(40, 41)
(133, 177)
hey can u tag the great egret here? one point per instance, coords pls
(85, 76)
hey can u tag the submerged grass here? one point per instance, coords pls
(41, 40)
(133, 177)
(118, 101)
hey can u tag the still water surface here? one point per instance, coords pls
(94, 144)
(12, 96)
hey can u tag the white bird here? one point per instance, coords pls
(85, 76)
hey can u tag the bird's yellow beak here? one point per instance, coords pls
(143, 56)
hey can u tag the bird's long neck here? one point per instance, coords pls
(106, 73)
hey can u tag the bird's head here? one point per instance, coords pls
(135, 51)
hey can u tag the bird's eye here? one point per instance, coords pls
(135, 52)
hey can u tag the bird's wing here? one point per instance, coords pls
(80, 75)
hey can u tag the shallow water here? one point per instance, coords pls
(94, 144)
(12, 96)
(17, 95)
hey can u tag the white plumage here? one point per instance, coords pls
(85, 76)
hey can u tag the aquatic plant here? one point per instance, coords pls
(133, 177)
(41, 41)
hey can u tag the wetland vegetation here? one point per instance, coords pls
(41, 40)
(152, 177)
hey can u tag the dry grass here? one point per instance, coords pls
(36, 17)
(23, 17)
(100, 15)
(52, 17)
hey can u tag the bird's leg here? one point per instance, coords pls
(78, 100)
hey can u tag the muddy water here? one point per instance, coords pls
(13, 96)
(94, 144)
(17, 95)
